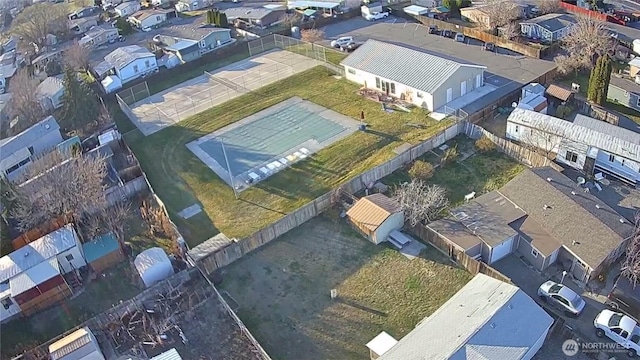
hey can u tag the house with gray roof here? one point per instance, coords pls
(255, 16)
(127, 63)
(586, 144)
(487, 319)
(541, 216)
(49, 92)
(624, 90)
(17, 151)
(547, 28)
(429, 80)
(189, 43)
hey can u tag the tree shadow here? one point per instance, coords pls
(360, 306)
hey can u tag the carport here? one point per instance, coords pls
(324, 7)
(416, 10)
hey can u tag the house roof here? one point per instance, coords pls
(425, 72)
(125, 55)
(599, 134)
(625, 84)
(99, 30)
(34, 276)
(486, 319)
(454, 231)
(186, 32)
(536, 235)
(488, 217)
(76, 345)
(99, 247)
(559, 93)
(36, 252)
(126, 5)
(253, 13)
(552, 22)
(50, 86)
(171, 354)
(142, 15)
(28, 137)
(565, 211)
(371, 211)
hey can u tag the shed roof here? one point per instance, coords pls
(125, 55)
(76, 345)
(37, 252)
(425, 72)
(602, 135)
(99, 247)
(416, 10)
(149, 258)
(635, 62)
(552, 22)
(28, 137)
(486, 319)
(381, 343)
(559, 93)
(50, 86)
(371, 211)
(568, 212)
(34, 276)
(168, 355)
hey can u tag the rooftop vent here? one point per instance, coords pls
(622, 221)
(573, 193)
(493, 325)
(549, 179)
(597, 206)
(547, 207)
(26, 253)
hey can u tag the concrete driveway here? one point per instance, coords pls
(529, 280)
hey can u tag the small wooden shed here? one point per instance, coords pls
(103, 252)
(376, 216)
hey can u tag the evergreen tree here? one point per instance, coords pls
(80, 105)
(592, 92)
(210, 19)
(606, 76)
(599, 80)
(216, 17)
(224, 23)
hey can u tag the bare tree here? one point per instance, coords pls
(510, 31)
(109, 219)
(290, 19)
(587, 40)
(59, 184)
(542, 137)
(77, 57)
(631, 266)
(549, 6)
(568, 64)
(421, 202)
(312, 35)
(157, 220)
(37, 21)
(500, 13)
(24, 104)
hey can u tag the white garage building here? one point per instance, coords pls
(428, 80)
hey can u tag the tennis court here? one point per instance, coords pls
(214, 88)
(270, 141)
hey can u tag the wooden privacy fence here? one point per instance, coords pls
(214, 254)
(456, 255)
(513, 150)
(523, 49)
(42, 230)
(597, 112)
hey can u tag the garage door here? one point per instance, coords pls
(501, 251)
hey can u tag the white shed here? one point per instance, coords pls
(376, 216)
(153, 265)
(79, 345)
(111, 83)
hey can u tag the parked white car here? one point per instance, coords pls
(146, 29)
(619, 328)
(341, 41)
(376, 16)
(562, 297)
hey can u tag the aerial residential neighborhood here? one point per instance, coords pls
(416, 180)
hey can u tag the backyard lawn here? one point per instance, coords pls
(181, 179)
(283, 291)
(480, 172)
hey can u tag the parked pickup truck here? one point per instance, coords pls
(376, 16)
(619, 328)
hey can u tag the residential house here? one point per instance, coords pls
(128, 63)
(189, 5)
(254, 16)
(84, 12)
(547, 28)
(634, 66)
(100, 35)
(9, 63)
(127, 9)
(376, 216)
(625, 91)
(17, 151)
(482, 16)
(586, 144)
(50, 92)
(486, 319)
(150, 18)
(429, 80)
(79, 345)
(528, 217)
(35, 273)
(82, 25)
(191, 42)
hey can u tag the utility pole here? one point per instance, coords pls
(226, 159)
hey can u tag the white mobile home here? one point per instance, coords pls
(586, 144)
(428, 80)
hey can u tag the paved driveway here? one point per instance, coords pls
(529, 280)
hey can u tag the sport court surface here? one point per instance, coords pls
(203, 92)
(270, 140)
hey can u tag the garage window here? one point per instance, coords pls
(352, 71)
(534, 252)
(571, 156)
